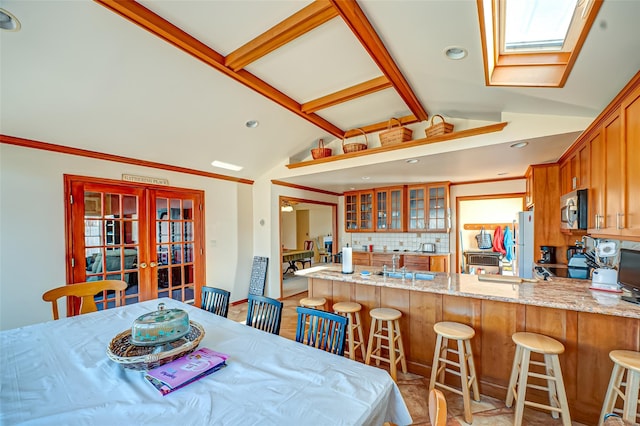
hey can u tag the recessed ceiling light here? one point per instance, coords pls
(252, 124)
(365, 178)
(519, 144)
(352, 188)
(455, 52)
(502, 173)
(412, 160)
(8, 22)
(227, 166)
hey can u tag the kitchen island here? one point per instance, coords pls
(589, 324)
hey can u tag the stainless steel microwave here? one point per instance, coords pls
(573, 210)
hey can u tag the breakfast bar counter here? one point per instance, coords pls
(589, 324)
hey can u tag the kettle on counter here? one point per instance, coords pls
(573, 250)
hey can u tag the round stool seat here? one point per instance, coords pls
(347, 307)
(313, 302)
(627, 359)
(385, 314)
(538, 343)
(454, 330)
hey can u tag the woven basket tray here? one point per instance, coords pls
(438, 129)
(395, 135)
(357, 146)
(135, 357)
(320, 151)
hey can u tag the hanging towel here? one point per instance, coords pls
(498, 240)
(509, 244)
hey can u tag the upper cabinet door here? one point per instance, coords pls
(389, 209)
(365, 208)
(630, 221)
(350, 211)
(416, 208)
(438, 207)
(358, 211)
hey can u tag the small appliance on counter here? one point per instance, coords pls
(605, 279)
(547, 254)
(573, 251)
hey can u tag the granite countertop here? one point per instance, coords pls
(561, 293)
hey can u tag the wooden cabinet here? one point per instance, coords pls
(528, 192)
(361, 258)
(439, 263)
(435, 263)
(543, 183)
(631, 170)
(596, 178)
(358, 211)
(389, 209)
(428, 207)
(381, 259)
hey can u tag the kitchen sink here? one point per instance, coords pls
(421, 276)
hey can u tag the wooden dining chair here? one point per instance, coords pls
(437, 408)
(86, 291)
(321, 329)
(264, 313)
(215, 300)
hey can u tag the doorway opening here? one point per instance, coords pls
(308, 232)
(483, 211)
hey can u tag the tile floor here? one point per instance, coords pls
(414, 388)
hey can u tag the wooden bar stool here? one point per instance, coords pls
(379, 317)
(462, 334)
(313, 302)
(351, 310)
(526, 343)
(629, 362)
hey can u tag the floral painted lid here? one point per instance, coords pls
(160, 327)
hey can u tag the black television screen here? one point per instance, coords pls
(629, 271)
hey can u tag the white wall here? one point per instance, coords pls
(288, 229)
(32, 241)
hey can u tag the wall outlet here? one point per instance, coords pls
(401, 243)
(368, 238)
(437, 240)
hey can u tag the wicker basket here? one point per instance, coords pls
(356, 146)
(395, 135)
(320, 151)
(135, 357)
(438, 129)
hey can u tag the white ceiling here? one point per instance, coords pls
(79, 75)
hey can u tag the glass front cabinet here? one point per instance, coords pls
(389, 209)
(358, 211)
(428, 207)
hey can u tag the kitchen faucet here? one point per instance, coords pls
(394, 260)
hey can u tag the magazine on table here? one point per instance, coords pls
(186, 369)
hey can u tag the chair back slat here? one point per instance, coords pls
(322, 330)
(215, 300)
(86, 291)
(264, 313)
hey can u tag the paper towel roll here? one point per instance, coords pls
(347, 265)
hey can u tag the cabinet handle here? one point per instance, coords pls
(153, 264)
(597, 221)
(142, 265)
(618, 221)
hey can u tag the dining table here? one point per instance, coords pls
(293, 256)
(58, 372)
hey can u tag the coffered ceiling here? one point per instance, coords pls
(175, 82)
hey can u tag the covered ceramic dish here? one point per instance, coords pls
(160, 327)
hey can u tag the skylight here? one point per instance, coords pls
(537, 25)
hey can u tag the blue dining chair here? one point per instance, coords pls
(215, 300)
(264, 313)
(321, 329)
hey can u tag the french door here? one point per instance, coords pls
(148, 236)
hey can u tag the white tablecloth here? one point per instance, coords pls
(58, 373)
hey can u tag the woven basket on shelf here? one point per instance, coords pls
(395, 135)
(356, 146)
(122, 351)
(438, 129)
(320, 151)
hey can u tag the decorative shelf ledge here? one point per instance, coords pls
(403, 145)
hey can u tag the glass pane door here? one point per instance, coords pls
(176, 250)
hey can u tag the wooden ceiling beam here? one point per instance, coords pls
(357, 21)
(165, 30)
(301, 22)
(383, 125)
(362, 89)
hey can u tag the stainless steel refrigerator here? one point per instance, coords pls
(524, 244)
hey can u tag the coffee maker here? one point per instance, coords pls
(547, 254)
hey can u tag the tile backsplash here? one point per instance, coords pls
(397, 241)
